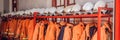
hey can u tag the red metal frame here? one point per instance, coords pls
(97, 15)
(75, 16)
(35, 16)
(99, 24)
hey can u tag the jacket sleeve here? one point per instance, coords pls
(36, 32)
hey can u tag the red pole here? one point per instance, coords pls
(99, 24)
(108, 19)
(80, 19)
(117, 20)
(35, 17)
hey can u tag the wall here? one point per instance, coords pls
(28, 4)
(49, 3)
(6, 6)
(82, 2)
(10, 5)
(1, 6)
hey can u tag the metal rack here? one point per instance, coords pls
(97, 15)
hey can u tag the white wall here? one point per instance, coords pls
(49, 3)
(27, 4)
(1, 6)
(10, 5)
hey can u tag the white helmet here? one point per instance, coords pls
(27, 11)
(88, 6)
(99, 4)
(41, 11)
(52, 10)
(46, 10)
(68, 9)
(76, 8)
(21, 12)
(59, 9)
(35, 10)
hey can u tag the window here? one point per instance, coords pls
(58, 3)
(70, 2)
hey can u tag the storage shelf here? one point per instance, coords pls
(77, 16)
(97, 15)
